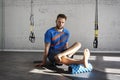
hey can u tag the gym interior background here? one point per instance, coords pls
(15, 24)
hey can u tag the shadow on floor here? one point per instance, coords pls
(17, 66)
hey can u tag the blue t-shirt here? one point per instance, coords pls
(56, 39)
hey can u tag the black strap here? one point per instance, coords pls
(95, 42)
(32, 35)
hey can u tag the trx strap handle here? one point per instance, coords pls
(32, 35)
(95, 42)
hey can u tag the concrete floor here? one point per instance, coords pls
(20, 66)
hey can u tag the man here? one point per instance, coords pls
(56, 45)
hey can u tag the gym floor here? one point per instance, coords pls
(20, 66)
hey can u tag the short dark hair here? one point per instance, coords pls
(62, 16)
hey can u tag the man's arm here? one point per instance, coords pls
(66, 45)
(47, 46)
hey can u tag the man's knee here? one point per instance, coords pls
(78, 44)
(58, 59)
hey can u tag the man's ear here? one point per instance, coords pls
(56, 21)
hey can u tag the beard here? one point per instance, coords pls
(59, 27)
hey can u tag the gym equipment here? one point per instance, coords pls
(76, 69)
(32, 35)
(95, 42)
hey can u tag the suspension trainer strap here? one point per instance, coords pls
(32, 35)
(95, 42)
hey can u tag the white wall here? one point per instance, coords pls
(81, 15)
(1, 9)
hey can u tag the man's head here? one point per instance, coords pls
(60, 21)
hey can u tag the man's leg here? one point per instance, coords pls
(67, 61)
(70, 51)
(77, 46)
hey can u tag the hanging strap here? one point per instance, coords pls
(95, 42)
(32, 35)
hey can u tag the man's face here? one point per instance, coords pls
(60, 22)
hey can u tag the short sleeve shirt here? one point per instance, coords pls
(56, 39)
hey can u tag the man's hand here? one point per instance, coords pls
(58, 58)
(40, 64)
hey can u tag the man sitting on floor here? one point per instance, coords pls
(56, 46)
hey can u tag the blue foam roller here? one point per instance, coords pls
(76, 69)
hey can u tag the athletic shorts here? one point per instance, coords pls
(52, 54)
